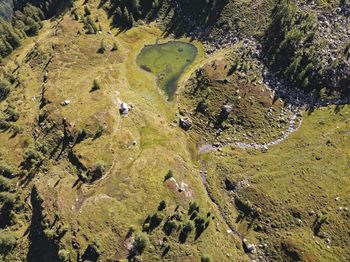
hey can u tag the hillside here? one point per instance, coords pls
(174, 130)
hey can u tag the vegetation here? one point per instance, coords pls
(7, 243)
(95, 86)
(80, 182)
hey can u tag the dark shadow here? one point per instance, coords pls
(91, 253)
(165, 251)
(40, 249)
(338, 108)
(310, 110)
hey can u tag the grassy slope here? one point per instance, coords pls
(289, 178)
(133, 186)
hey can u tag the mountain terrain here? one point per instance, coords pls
(174, 130)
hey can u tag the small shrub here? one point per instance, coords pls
(5, 184)
(169, 227)
(12, 115)
(98, 132)
(205, 259)
(90, 25)
(7, 242)
(95, 86)
(92, 253)
(168, 175)
(115, 47)
(193, 206)
(87, 10)
(96, 172)
(4, 125)
(33, 158)
(162, 205)
(4, 90)
(63, 255)
(141, 242)
(50, 234)
(102, 48)
(75, 14)
(130, 231)
(155, 221)
(186, 230)
(5, 171)
(7, 204)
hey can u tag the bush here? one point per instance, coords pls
(63, 255)
(5, 184)
(192, 206)
(168, 175)
(92, 253)
(141, 242)
(102, 48)
(7, 242)
(7, 203)
(169, 227)
(186, 230)
(4, 125)
(130, 231)
(115, 47)
(152, 222)
(13, 116)
(33, 158)
(205, 259)
(162, 205)
(5, 171)
(87, 10)
(90, 25)
(50, 234)
(4, 90)
(95, 86)
(96, 172)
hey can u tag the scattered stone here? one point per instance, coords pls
(134, 143)
(251, 248)
(124, 109)
(65, 102)
(264, 149)
(311, 212)
(185, 123)
(226, 110)
(299, 222)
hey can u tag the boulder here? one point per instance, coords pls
(185, 123)
(264, 149)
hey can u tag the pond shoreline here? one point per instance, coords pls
(167, 61)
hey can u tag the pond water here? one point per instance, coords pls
(167, 62)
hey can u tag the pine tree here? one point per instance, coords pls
(87, 10)
(102, 48)
(115, 47)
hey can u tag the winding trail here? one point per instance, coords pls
(293, 127)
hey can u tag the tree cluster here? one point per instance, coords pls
(126, 12)
(290, 44)
(25, 21)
